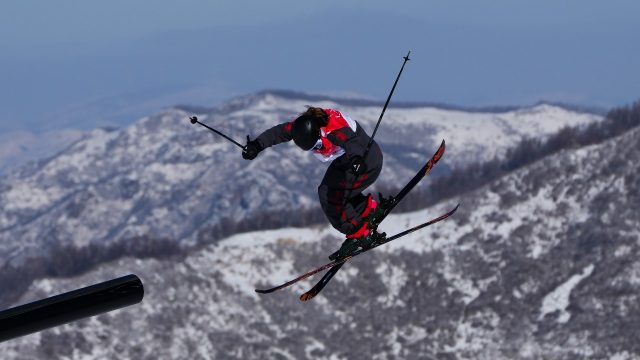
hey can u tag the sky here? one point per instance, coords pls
(73, 64)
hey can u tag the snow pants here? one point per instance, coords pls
(340, 191)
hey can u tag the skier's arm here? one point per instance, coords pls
(276, 135)
(347, 139)
(354, 150)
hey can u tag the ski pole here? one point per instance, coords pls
(406, 58)
(194, 119)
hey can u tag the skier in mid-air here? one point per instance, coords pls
(356, 164)
(333, 136)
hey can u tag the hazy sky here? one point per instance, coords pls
(87, 63)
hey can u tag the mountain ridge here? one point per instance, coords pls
(366, 101)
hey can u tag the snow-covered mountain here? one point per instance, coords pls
(165, 178)
(540, 264)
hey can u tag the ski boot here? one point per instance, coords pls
(353, 244)
(348, 247)
(383, 208)
(363, 238)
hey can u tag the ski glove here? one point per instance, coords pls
(251, 150)
(357, 165)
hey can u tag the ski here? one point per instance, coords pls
(356, 253)
(338, 264)
(424, 171)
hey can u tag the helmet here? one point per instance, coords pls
(305, 132)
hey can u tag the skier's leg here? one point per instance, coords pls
(354, 195)
(332, 200)
(360, 235)
(358, 201)
(340, 192)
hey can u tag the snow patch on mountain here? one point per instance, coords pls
(558, 299)
(395, 278)
(26, 196)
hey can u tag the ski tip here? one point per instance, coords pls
(306, 296)
(260, 291)
(455, 208)
(438, 154)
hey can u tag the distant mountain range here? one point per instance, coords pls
(539, 264)
(20, 147)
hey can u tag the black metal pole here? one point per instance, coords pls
(406, 58)
(194, 120)
(74, 305)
